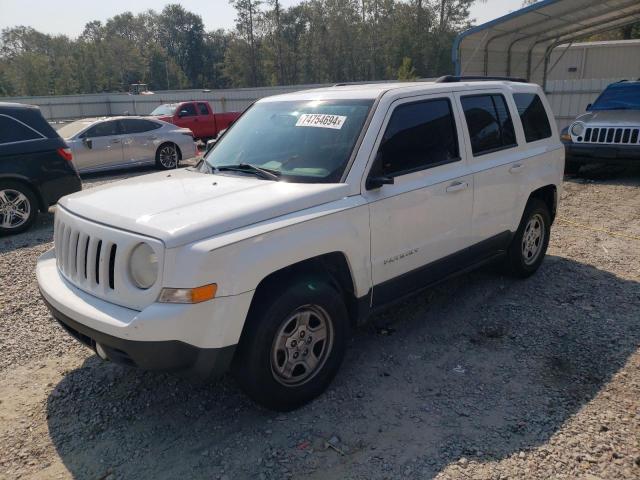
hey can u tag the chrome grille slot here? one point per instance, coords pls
(81, 256)
(112, 265)
(94, 258)
(613, 135)
(603, 135)
(99, 261)
(618, 135)
(610, 133)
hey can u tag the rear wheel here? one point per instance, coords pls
(18, 207)
(529, 245)
(293, 344)
(167, 156)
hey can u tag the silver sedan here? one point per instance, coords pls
(118, 142)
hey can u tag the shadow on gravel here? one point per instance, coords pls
(40, 232)
(607, 175)
(481, 367)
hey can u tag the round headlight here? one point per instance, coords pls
(577, 129)
(143, 266)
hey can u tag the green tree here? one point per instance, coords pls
(406, 70)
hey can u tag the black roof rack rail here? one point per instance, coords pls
(455, 78)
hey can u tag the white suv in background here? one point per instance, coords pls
(315, 209)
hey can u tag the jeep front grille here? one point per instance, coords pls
(611, 135)
(95, 259)
(85, 259)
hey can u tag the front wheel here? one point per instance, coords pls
(529, 245)
(292, 345)
(18, 207)
(167, 156)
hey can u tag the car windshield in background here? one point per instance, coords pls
(70, 129)
(301, 141)
(621, 96)
(165, 109)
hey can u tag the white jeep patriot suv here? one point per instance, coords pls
(313, 210)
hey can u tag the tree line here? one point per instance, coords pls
(314, 41)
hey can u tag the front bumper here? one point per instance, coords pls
(597, 153)
(198, 340)
(168, 355)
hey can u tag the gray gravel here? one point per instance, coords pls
(481, 377)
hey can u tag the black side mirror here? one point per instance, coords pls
(377, 182)
(377, 178)
(87, 142)
(588, 107)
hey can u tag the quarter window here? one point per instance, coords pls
(533, 116)
(12, 131)
(419, 135)
(202, 108)
(489, 123)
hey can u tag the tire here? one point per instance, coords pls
(571, 168)
(168, 156)
(276, 330)
(527, 249)
(18, 207)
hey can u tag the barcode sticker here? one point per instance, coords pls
(321, 120)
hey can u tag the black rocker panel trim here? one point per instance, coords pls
(471, 257)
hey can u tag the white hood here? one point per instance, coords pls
(184, 206)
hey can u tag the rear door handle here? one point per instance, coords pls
(115, 140)
(456, 187)
(518, 167)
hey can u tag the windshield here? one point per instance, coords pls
(301, 141)
(70, 129)
(620, 96)
(167, 109)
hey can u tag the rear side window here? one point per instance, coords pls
(103, 129)
(533, 116)
(138, 126)
(187, 110)
(419, 135)
(11, 131)
(489, 123)
(202, 108)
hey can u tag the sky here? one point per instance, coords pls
(70, 16)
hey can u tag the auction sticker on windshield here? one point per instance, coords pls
(321, 120)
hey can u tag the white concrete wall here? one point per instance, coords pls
(70, 107)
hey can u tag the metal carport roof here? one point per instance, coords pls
(520, 43)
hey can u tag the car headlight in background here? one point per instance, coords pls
(143, 266)
(577, 129)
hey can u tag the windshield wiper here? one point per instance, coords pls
(266, 173)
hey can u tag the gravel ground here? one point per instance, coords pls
(481, 377)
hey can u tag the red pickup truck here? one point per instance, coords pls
(197, 116)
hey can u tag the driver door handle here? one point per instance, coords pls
(115, 140)
(517, 167)
(456, 187)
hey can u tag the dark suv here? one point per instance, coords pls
(35, 167)
(610, 130)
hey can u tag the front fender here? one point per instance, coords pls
(238, 261)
